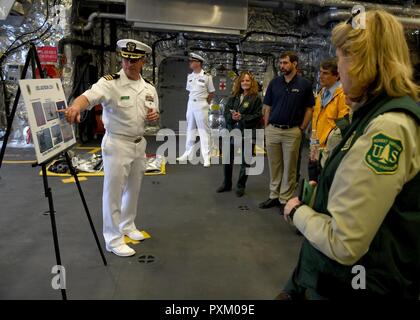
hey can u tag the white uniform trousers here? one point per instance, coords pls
(124, 165)
(198, 118)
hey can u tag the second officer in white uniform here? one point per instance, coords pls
(200, 86)
(127, 100)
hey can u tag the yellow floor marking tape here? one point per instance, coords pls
(19, 161)
(259, 150)
(127, 240)
(94, 150)
(72, 180)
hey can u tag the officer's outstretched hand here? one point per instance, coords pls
(152, 115)
(72, 114)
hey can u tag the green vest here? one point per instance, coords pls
(392, 263)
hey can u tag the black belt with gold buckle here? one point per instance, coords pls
(282, 126)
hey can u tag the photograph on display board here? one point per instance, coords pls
(39, 113)
(67, 131)
(44, 140)
(56, 134)
(50, 110)
(60, 106)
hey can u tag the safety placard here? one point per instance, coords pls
(51, 133)
(47, 54)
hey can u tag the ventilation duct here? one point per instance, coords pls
(212, 16)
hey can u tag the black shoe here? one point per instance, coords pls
(281, 208)
(269, 204)
(240, 192)
(223, 188)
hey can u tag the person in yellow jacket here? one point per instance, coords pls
(330, 116)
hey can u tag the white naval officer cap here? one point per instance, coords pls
(196, 57)
(133, 49)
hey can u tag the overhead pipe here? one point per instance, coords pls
(264, 4)
(408, 10)
(341, 15)
(332, 15)
(276, 34)
(248, 53)
(410, 23)
(212, 37)
(234, 52)
(100, 15)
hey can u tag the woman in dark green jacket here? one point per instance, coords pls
(243, 111)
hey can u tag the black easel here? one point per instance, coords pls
(33, 58)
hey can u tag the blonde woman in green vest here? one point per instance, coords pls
(362, 235)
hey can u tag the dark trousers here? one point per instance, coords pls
(228, 168)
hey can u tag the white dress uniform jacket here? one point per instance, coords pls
(125, 105)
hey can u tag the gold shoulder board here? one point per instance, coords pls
(111, 76)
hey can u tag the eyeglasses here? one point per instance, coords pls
(131, 60)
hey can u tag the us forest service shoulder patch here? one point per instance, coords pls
(384, 154)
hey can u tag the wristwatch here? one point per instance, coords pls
(292, 212)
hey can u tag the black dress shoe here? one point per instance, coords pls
(223, 188)
(281, 209)
(240, 192)
(269, 204)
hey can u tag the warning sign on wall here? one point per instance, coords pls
(47, 54)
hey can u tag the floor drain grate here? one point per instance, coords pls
(146, 259)
(243, 208)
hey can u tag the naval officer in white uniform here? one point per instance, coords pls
(200, 86)
(128, 101)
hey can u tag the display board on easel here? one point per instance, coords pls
(51, 133)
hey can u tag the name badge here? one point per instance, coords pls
(295, 90)
(125, 97)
